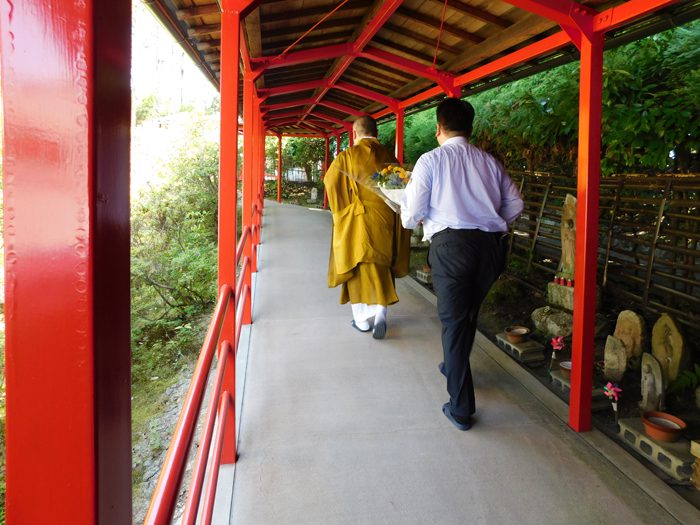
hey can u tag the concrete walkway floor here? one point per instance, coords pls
(338, 428)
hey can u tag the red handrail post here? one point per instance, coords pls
(164, 495)
(590, 106)
(227, 358)
(279, 168)
(248, 194)
(228, 165)
(225, 407)
(399, 134)
(325, 169)
(66, 233)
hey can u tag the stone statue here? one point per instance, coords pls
(630, 330)
(615, 359)
(668, 348)
(653, 384)
(568, 237)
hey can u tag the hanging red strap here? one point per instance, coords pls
(311, 29)
(442, 21)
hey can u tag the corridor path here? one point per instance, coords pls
(338, 428)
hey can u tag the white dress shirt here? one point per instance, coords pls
(459, 186)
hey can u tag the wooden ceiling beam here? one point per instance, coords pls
(366, 93)
(330, 118)
(283, 16)
(527, 27)
(198, 10)
(376, 83)
(421, 38)
(300, 29)
(203, 30)
(369, 26)
(476, 12)
(434, 24)
(393, 46)
(283, 43)
(412, 67)
(208, 44)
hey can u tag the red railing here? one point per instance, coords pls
(163, 500)
(164, 497)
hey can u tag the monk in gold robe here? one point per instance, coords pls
(369, 247)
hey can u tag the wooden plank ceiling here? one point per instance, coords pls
(395, 45)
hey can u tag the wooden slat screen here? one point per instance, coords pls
(649, 241)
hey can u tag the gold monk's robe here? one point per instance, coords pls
(369, 247)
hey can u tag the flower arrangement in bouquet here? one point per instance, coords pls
(392, 176)
(392, 180)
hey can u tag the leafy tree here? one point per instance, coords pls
(304, 153)
(174, 234)
(146, 109)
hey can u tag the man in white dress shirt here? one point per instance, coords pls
(465, 200)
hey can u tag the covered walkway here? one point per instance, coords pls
(337, 427)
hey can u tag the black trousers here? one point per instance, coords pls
(464, 264)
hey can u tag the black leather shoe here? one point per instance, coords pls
(460, 423)
(441, 367)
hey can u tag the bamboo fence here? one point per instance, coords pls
(648, 241)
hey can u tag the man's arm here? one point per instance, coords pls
(415, 202)
(330, 181)
(511, 202)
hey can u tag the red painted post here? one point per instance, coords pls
(279, 168)
(67, 108)
(591, 86)
(399, 135)
(228, 196)
(325, 169)
(247, 204)
(228, 165)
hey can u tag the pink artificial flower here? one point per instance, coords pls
(612, 391)
(557, 342)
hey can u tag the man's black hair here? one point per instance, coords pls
(456, 116)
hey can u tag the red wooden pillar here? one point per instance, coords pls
(325, 169)
(248, 195)
(279, 168)
(228, 198)
(399, 135)
(228, 165)
(67, 108)
(258, 177)
(591, 86)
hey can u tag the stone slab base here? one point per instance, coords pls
(598, 402)
(424, 277)
(673, 458)
(563, 296)
(528, 352)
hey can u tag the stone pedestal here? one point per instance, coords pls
(675, 459)
(560, 381)
(562, 296)
(529, 352)
(555, 322)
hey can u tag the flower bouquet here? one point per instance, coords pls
(392, 181)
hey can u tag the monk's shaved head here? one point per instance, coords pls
(365, 126)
